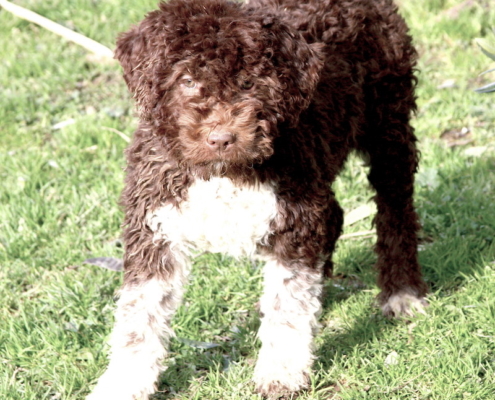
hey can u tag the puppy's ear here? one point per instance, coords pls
(298, 64)
(308, 62)
(142, 53)
(131, 52)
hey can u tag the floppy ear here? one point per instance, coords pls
(298, 65)
(142, 53)
(131, 51)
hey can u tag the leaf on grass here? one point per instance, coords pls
(84, 355)
(487, 47)
(227, 363)
(456, 137)
(476, 151)
(63, 124)
(196, 344)
(488, 71)
(114, 112)
(392, 359)
(428, 177)
(486, 89)
(71, 326)
(113, 264)
(359, 213)
(53, 164)
(447, 84)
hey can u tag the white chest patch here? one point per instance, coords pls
(219, 217)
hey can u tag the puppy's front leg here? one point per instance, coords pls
(289, 307)
(140, 336)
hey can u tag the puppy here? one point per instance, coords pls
(246, 115)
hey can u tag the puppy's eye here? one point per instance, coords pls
(246, 85)
(189, 83)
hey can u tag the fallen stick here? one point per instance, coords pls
(121, 134)
(89, 44)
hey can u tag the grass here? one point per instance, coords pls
(58, 206)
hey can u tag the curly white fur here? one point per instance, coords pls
(289, 306)
(139, 340)
(218, 216)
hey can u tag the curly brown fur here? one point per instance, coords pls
(265, 101)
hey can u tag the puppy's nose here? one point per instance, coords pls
(220, 140)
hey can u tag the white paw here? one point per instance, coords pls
(404, 303)
(113, 393)
(277, 383)
(117, 386)
(278, 375)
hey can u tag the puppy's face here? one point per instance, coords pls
(217, 80)
(221, 116)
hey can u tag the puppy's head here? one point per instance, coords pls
(217, 80)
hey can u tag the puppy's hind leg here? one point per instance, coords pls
(393, 164)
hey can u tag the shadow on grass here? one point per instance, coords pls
(189, 365)
(458, 221)
(458, 240)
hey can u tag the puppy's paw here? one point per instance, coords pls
(404, 304)
(278, 383)
(114, 393)
(112, 386)
(277, 390)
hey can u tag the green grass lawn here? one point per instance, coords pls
(59, 205)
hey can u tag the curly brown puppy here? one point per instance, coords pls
(247, 114)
